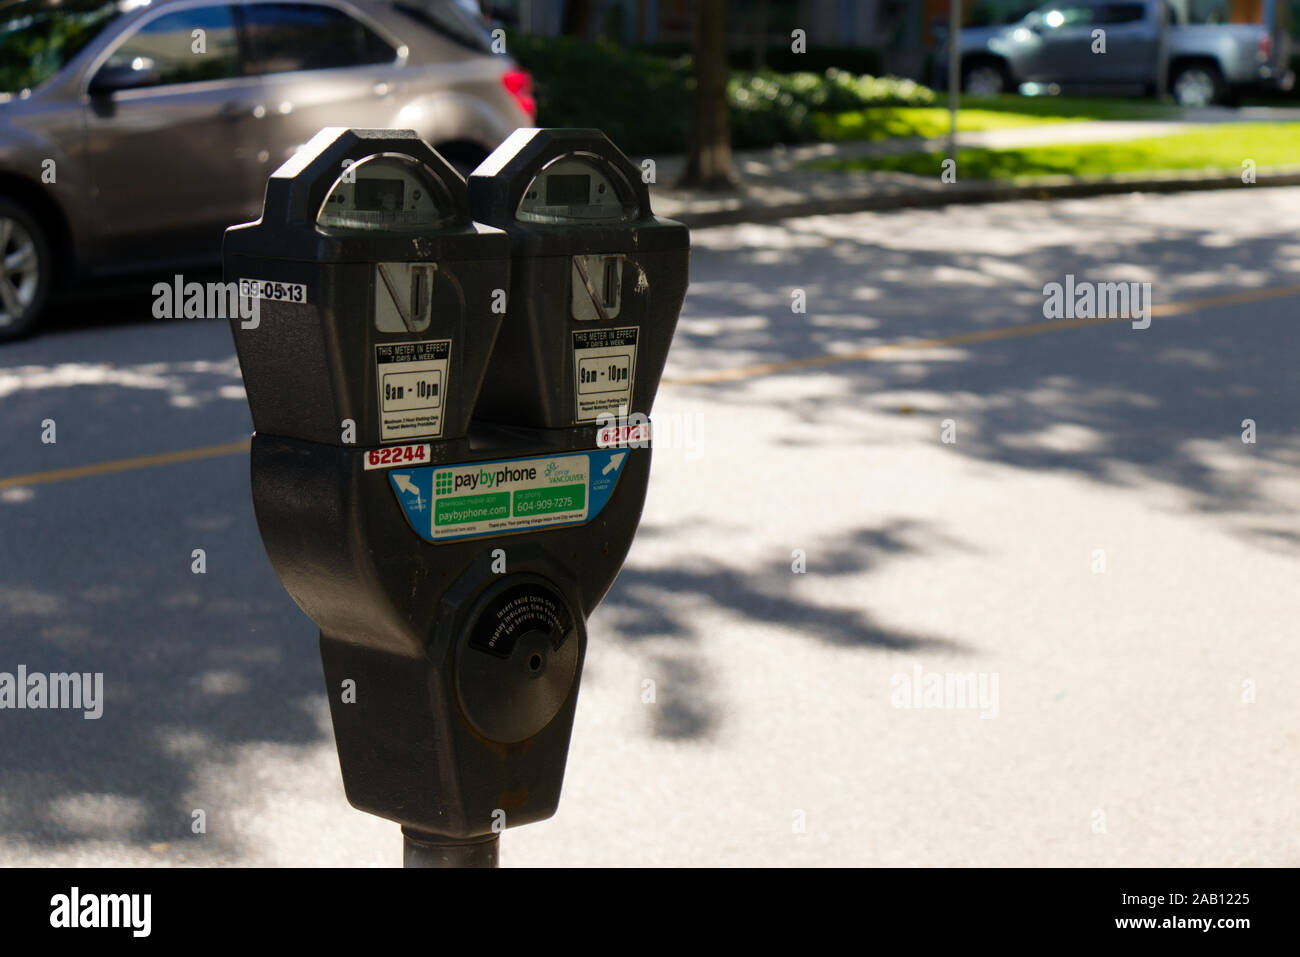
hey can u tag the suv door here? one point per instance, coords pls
(320, 65)
(171, 155)
(1065, 53)
(1132, 42)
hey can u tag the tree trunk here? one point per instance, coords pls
(708, 163)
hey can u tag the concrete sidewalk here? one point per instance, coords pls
(777, 183)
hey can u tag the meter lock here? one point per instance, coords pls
(596, 287)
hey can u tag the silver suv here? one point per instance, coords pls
(133, 132)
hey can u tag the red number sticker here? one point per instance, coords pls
(395, 455)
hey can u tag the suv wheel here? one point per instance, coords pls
(25, 268)
(1197, 84)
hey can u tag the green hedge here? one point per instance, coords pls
(768, 108)
(643, 101)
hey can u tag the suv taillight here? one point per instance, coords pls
(519, 84)
(1265, 47)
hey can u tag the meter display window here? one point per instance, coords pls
(386, 192)
(576, 189)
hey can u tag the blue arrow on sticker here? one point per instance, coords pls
(402, 481)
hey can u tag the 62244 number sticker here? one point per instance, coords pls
(396, 455)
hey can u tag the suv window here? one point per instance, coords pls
(1225, 11)
(284, 37)
(185, 47)
(1121, 13)
(449, 19)
(1055, 17)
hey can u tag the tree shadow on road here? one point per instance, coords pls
(195, 666)
(1164, 405)
(1158, 408)
(649, 604)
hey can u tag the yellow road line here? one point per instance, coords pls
(125, 465)
(725, 375)
(967, 338)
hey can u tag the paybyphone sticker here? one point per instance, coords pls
(604, 368)
(447, 502)
(412, 381)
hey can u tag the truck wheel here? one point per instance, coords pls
(1197, 84)
(25, 268)
(984, 78)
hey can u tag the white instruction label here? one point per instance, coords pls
(412, 380)
(604, 368)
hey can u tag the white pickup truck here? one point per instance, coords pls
(1208, 50)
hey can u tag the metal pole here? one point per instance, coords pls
(954, 73)
(434, 850)
(1162, 53)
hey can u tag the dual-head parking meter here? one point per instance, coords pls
(439, 379)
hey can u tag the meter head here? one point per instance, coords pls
(387, 191)
(578, 188)
(375, 291)
(558, 178)
(363, 183)
(597, 281)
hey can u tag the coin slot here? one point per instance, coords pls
(611, 283)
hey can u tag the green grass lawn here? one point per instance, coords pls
(981, 113)
(1222, 148)
(1074, 107)
(928, 122)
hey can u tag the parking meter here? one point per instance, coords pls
(450, 559)
(371, 226)
(597, 280)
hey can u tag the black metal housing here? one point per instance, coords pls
(438, 726)
(309, 367)
(531, 379)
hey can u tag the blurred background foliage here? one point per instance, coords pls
(641, 96)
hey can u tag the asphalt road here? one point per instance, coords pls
(1098, 547)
